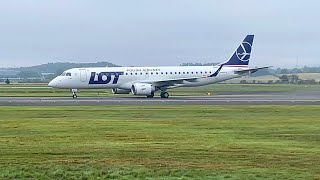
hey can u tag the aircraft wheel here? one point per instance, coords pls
(74, 93)
(164, 94)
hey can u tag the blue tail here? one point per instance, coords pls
(242, 55)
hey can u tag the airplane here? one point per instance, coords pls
(145, 81)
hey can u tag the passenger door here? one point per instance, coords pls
(83, 75)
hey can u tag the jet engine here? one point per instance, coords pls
(142, 89)
(120, 91)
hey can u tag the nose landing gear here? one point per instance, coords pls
(74, 93)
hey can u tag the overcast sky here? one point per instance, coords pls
(158, 32)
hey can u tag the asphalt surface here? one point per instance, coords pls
(236, 98)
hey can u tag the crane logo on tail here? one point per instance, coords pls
(244, 51)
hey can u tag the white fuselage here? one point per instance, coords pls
(124, 77)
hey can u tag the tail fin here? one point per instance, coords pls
(242, 55)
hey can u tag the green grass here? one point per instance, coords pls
(166, 142)
(42, 90)
(23, 84)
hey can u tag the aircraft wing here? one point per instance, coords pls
(171, 83)
(250, 71)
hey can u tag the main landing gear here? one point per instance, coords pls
(164, 94)
(74, 93)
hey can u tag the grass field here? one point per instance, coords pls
(166, 142)
(42, 90)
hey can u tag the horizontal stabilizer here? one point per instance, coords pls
(250, 71)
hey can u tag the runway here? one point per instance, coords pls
(236, 98)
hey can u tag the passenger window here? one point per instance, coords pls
(183, 73)
(136, 73)
(161, 72)
(157, 73)
(170, 72)
(187, 72)
(151, 73)
(166, 72)
(140, 73)
(126, 73)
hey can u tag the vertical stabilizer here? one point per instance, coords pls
(242, 55)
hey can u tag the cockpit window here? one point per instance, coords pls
(66, 74)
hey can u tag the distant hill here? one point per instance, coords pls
(61, 66)
(49, 70)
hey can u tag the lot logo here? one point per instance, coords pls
(243, 51)
(104, 77)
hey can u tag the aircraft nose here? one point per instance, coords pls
(53, 83)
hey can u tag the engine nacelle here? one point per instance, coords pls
(142, 89)
(120, 91)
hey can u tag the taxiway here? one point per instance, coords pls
(263, 98)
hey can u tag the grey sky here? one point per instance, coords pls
(162, 32)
